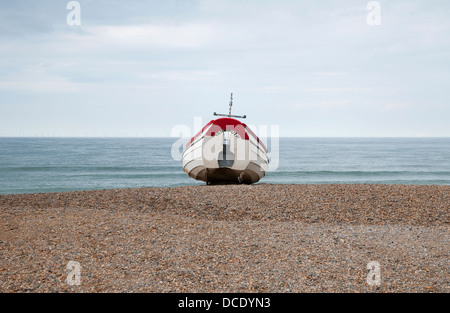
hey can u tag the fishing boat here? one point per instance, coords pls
(226, 151)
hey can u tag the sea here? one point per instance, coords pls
(42, 165)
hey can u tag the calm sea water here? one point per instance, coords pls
(31, 165)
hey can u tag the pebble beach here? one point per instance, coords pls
(258, 238)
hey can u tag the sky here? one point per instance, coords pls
(143, 68)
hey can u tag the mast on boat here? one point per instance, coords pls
(229, 114)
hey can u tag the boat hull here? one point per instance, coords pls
(225, 154)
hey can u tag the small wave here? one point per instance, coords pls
(358, 173)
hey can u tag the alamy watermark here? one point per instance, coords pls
(74, 16)
(74, 276)
(374, 275)
(184, 133)
(374, 16)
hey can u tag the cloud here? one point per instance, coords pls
(336, 90)
(396, 106)
(277, 56)
(151, 36)
(37, 78)
(323, 104)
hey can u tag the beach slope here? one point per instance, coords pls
(258, 238)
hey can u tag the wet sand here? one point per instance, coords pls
(259, 238)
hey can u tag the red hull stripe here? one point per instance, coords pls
(228, 124)
(256, 137)
(198, 134)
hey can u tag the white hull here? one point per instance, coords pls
(225, 156)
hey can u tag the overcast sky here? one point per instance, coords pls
(139, 68)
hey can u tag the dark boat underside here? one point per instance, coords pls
(227, 176)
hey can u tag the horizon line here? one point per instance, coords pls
(166, 137)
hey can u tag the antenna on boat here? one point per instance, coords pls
(231, 104)
(229, 114)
